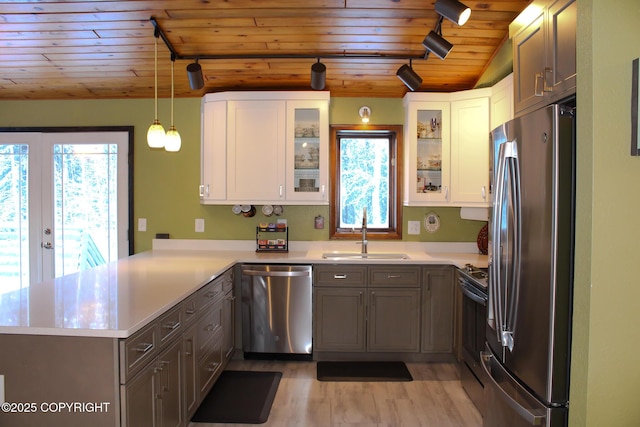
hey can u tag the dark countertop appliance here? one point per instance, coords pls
(472, 282)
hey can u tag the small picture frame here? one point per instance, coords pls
(635, 84)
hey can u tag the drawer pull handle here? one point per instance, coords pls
(171, 325)
(190, 311)
(209, 327)
(393, 276)
(144, 347)
(339, 276)
(231, 298)
(213, 368)
(211, 294)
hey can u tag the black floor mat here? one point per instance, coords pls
(363, 371)
(243, 397)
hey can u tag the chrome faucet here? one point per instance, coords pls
(364, 231)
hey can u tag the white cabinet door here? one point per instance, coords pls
(256, 150)
(470, 152)
(502, 102)
(427, 150)
(307, 151)
(213, 149)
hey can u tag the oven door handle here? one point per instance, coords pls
(466, 291)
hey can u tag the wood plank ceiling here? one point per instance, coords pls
(102, 49)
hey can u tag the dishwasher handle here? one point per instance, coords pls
(263, 273)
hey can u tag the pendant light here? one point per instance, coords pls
(172, 141)
(155, 134)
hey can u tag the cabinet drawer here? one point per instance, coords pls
(208, 294)
(210, 365)
(227, 280)
(337, 275)
(189, 308)
(394, 276)
(137, 350)
(170, 324)
(208, 326)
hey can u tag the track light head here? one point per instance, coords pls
(318, 75)
(409, 77)
(454, 11)
(194, 72)
(436, 44)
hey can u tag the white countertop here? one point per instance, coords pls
(117, 299)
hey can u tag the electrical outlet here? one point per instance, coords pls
(199, 225)
(142, 224)
(413, 227)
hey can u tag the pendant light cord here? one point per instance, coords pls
(173, 63)
(156, 78)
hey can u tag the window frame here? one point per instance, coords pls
(395, 186)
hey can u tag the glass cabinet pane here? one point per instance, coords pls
(307, 150)
(429, 151)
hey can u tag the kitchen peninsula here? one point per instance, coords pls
(88, 339)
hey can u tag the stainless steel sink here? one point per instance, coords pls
(358, 255)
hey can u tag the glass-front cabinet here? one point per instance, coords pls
(427, 167)
(307, 151)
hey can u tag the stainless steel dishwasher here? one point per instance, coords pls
(276, 311)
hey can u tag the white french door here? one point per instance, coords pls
(63, 203)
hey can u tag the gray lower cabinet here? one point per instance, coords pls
(339, 319)
(394, 320)
(437, 309)
(367, 308)
(170, 365)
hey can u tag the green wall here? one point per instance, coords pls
(166, 184)
(605, 370)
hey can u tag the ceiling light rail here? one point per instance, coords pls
(434, 43)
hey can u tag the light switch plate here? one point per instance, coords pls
(413, 227)
(142, 224)
(199, 225)
(1, 388)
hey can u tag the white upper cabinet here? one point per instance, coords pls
(307, 152)
(427, 148)
(447, 148)
(470, 148)
(264, 147)
(501, 102)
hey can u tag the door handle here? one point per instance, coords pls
(47, 245)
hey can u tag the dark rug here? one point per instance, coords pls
(243, 397)
(363, 371)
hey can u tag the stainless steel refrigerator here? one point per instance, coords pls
(531, 247)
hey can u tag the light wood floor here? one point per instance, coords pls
(434, 398)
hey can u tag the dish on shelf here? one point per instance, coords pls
(267, 210)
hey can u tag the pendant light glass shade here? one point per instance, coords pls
(155, 134)
(172, 142)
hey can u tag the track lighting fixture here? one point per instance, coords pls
(155, 134)
(454, 11)
(409, 77)
(365, 113)
(318, 75)
(172, 142)
(194, 72)
(436, 44)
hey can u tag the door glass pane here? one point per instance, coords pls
(364, 181)
(85, 206)
(429, 166)
(14, 220)
(307, 150)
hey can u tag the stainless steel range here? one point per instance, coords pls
(473, 284)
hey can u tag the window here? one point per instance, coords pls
(366, 172)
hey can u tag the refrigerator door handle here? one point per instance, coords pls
(507, 173)
(524, 413)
